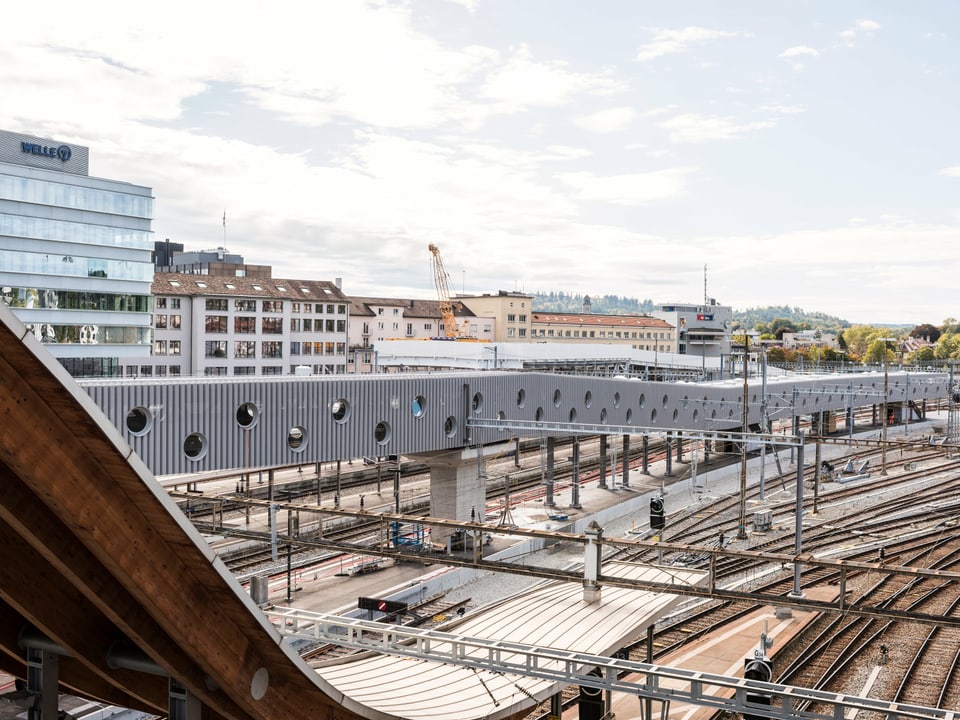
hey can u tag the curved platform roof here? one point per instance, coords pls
(549, 615)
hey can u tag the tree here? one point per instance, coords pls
(947, 347)
(879, 352)
(927, 332)
(859, 337)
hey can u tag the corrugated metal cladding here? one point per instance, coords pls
(199, 424)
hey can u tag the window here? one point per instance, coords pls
(330, 325)
(295, 348)
(272, 370)
(244, 349)
(511, 332)
(295, 325)
(245, 305)
(215, 323)
(428, 326)
(511, 317)
(341, 325)
(273, 306)
(327, 348)
(330, 310)
(160, 347)
(215, 348)
(160, 322)
(341, 348)
(341, 309)
(215, 371)
(161, 370)
(272, 349)
(271, 326)
(161, 303)
(295, 307)
(175, 305)
(175, 370)
(174, 350)
(244, 324)
(217, 304)
(409, 328)
(307, 308)
(523, 318)
(245, 370)
(175, 322)
(308, 324)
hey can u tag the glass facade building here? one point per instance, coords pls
(75, 255)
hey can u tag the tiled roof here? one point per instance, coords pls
(628, 321)
(412, 308)
(206, 285)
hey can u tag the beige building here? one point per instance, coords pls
(640, 332)
(512, 313)
(377, 319)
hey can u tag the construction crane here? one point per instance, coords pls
(443, 293)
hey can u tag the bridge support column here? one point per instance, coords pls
(625, 462)
(645, 456)
(456, 488)
(43, 671)
(603, 462)
(679, 447)
(575, 482)
(707, 447)
(668, 472)
(551, 450)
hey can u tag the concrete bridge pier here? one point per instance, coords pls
(456, 487)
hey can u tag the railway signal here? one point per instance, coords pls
(759, 667)
(657, 519)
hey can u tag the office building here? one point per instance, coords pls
(75, 255)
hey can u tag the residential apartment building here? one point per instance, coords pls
(374, 320)
(702, 330)
(512, 313)
(222, 325)
(640, 332)
(75, 255)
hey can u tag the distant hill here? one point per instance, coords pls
(561, 302)
(619, 305)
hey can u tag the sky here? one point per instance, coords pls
(797, 153)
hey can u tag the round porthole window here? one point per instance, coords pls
(419, 406)
(382, 432)
(477, 404)
(296, 438)
(340, 410)
(139, 421)
(247, 415)
(450, 426)
(588, 399)
(195, 446)
(521, 397)
(557, 397)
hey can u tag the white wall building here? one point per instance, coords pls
(221, 325)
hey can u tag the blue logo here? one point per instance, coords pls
(63, 152)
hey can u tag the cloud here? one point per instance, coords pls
(666, 41)
(630, 189)
(799, 50)
(693, 128)
(522, 82)
(604, 121)
(951, 171)
(866, 27)
(784, 109)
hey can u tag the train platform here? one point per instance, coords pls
(722, 652)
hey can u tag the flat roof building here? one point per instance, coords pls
(75, 255)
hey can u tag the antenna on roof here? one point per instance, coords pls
(224, 228)
(705, 296)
